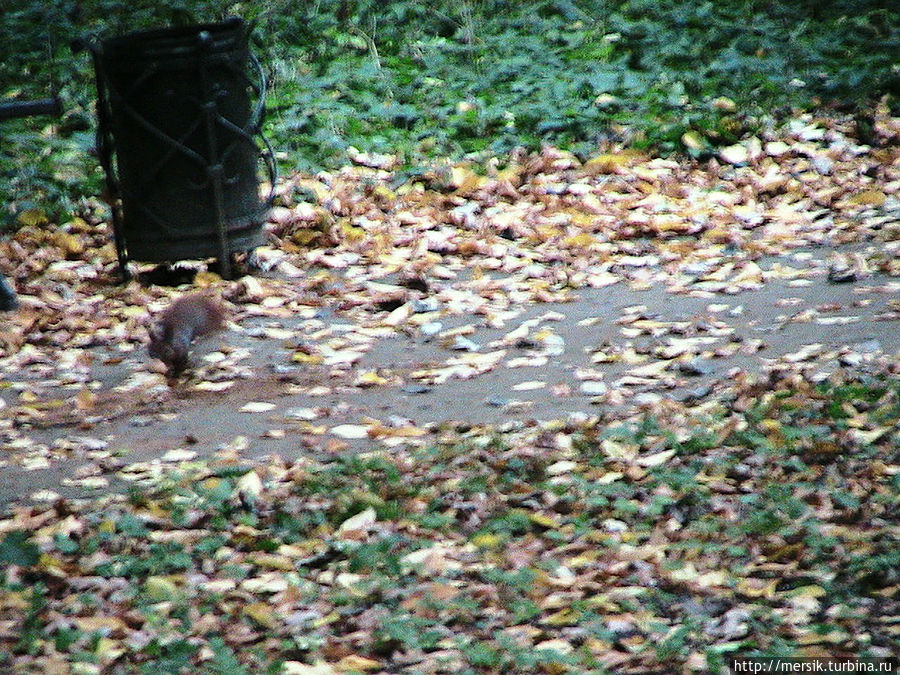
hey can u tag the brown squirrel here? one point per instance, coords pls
(189, 317)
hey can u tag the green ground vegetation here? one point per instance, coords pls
(490, 552)
(453, 78)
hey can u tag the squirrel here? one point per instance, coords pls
(187, 318)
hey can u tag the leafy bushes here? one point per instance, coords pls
(450, 77)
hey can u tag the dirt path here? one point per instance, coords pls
(541, 289)
(606, 349)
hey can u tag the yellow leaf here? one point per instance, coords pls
(604, 100)
(581, 240)
(686, 573)
(218, 585)
(351, 431)
(692, 140)
(305, 236)
(398, 315)
(724, 104)
(869, 437)
(606, 163)
(543, 520)
(32, 217)
(381, 431)
(205, 279)
(466, 180)
(13, 600)
(85, 399)
(811, 591)
(617, 450)
(302, 357)
(262, 614)
(213, 386)
(361, 521)
(159, 589)
(354, 662)
(51, 565)
(370, 379)
(512, 173)
(757, 588)
(584, 560)
(179, 455)
(486, 540)
(351, 234)
(325, 620)
(671, 223)
(833, 637)
(564, 617)
(716, 578)
(610, 477)
(107, 624)
(250, 484)
(735, 154)
(868, 198)
(750, 272)
(384, 193)
(770, 425)
(212, 483)
(108, 650)
(69, 243)
(719, 234)
(257, 407)
(580, 218)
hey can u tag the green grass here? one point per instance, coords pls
(427, 80)
(521, 580)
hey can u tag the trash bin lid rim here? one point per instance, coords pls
(150, 42)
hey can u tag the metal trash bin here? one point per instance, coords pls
(177, 137)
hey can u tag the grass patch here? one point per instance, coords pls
(447, 79)
(690, 561)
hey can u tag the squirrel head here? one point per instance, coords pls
(173, 353)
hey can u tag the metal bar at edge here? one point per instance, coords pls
(104, 152)
(43, 106)
(215, 170)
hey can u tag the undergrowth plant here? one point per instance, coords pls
(451, 78)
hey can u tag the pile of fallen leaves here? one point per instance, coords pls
(531, 230)
(656, 536)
